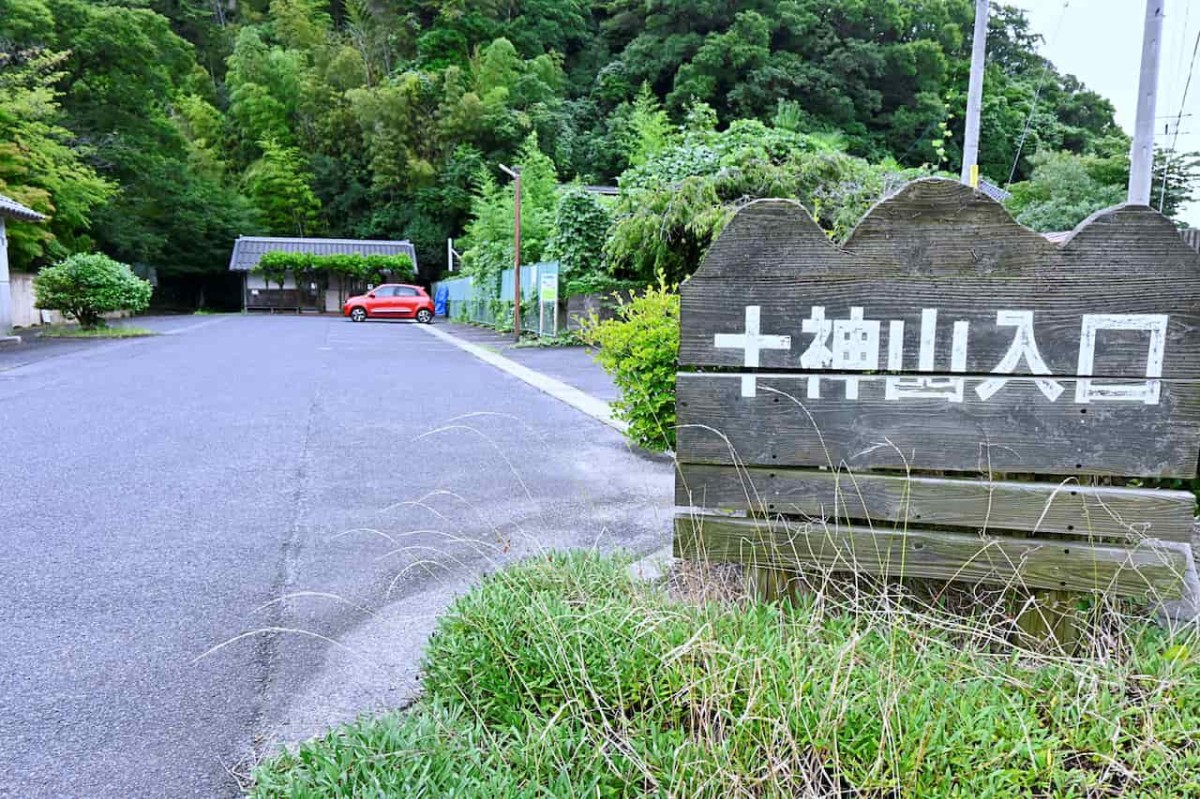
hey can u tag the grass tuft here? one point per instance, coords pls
(564, 676)
(96, 332)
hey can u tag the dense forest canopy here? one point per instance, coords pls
(159, 130)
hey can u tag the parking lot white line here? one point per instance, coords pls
(594, 407)
(197, 326)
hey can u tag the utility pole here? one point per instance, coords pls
(1141, 154)
(515, 174)
(970, 161)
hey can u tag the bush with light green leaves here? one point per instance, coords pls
(640, 349)
(86, 286)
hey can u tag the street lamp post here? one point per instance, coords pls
(515, 174)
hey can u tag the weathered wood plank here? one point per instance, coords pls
(1059, 307)
(939, 245)
(1123, 513)
(781, 426)
(1047, 620)
(937, 228)
(939, 282)
(1124, 570)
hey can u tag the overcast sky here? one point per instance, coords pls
(1100, 42)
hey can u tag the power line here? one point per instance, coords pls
(1036, 96)
(1187, 84)
(1182, 45)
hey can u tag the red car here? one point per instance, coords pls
(391, 301)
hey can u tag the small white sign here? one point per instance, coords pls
(548, 287)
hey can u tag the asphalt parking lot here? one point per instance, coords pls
(298, 498)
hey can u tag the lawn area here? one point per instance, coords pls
(565, 677)
(96, 332)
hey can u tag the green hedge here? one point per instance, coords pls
(640, 349)
(600, 283)
(275, 265)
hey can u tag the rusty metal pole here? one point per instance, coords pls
(517, 259)
(515, 174)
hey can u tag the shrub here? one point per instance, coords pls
(672, 207)
(564, 676)
(275, 265)
(640, 349)
(580, 228)
(87, 285)
(600, 283)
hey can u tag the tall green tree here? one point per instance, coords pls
(1066, 188)
(42, 164)
(489, 243)
(146, 132)
(279, 185)
(123, 74)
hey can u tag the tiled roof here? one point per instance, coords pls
(12, 208)
(247, 250)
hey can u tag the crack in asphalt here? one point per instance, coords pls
(267, 652)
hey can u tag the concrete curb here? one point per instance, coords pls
(596, 408)
(654, 566)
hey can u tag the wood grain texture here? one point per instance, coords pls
(1130, 514)
(938, 244)
(1141, 570)
(1058, 310)
(1027, 433)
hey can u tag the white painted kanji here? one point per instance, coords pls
(851, 344)
(1148, 392)
(1023, 348)
(753, 342)
(951, 388)
(818, 355)
(855, 347)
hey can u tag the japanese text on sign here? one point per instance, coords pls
(854, 344)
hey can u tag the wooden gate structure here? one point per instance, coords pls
(950, 395)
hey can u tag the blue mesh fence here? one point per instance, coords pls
(539, 290)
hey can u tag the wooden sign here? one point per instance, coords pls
(819, 387)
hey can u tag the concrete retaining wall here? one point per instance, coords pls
(26, 314)
(582, 306)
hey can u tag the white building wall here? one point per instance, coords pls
(26, 314)
(255, 281)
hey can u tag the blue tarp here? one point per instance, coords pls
(440, 297)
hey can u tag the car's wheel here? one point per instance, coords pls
(424, 316)
(358, 314)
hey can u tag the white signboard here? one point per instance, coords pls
(548, 287)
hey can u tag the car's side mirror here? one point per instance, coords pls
(371, 295)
